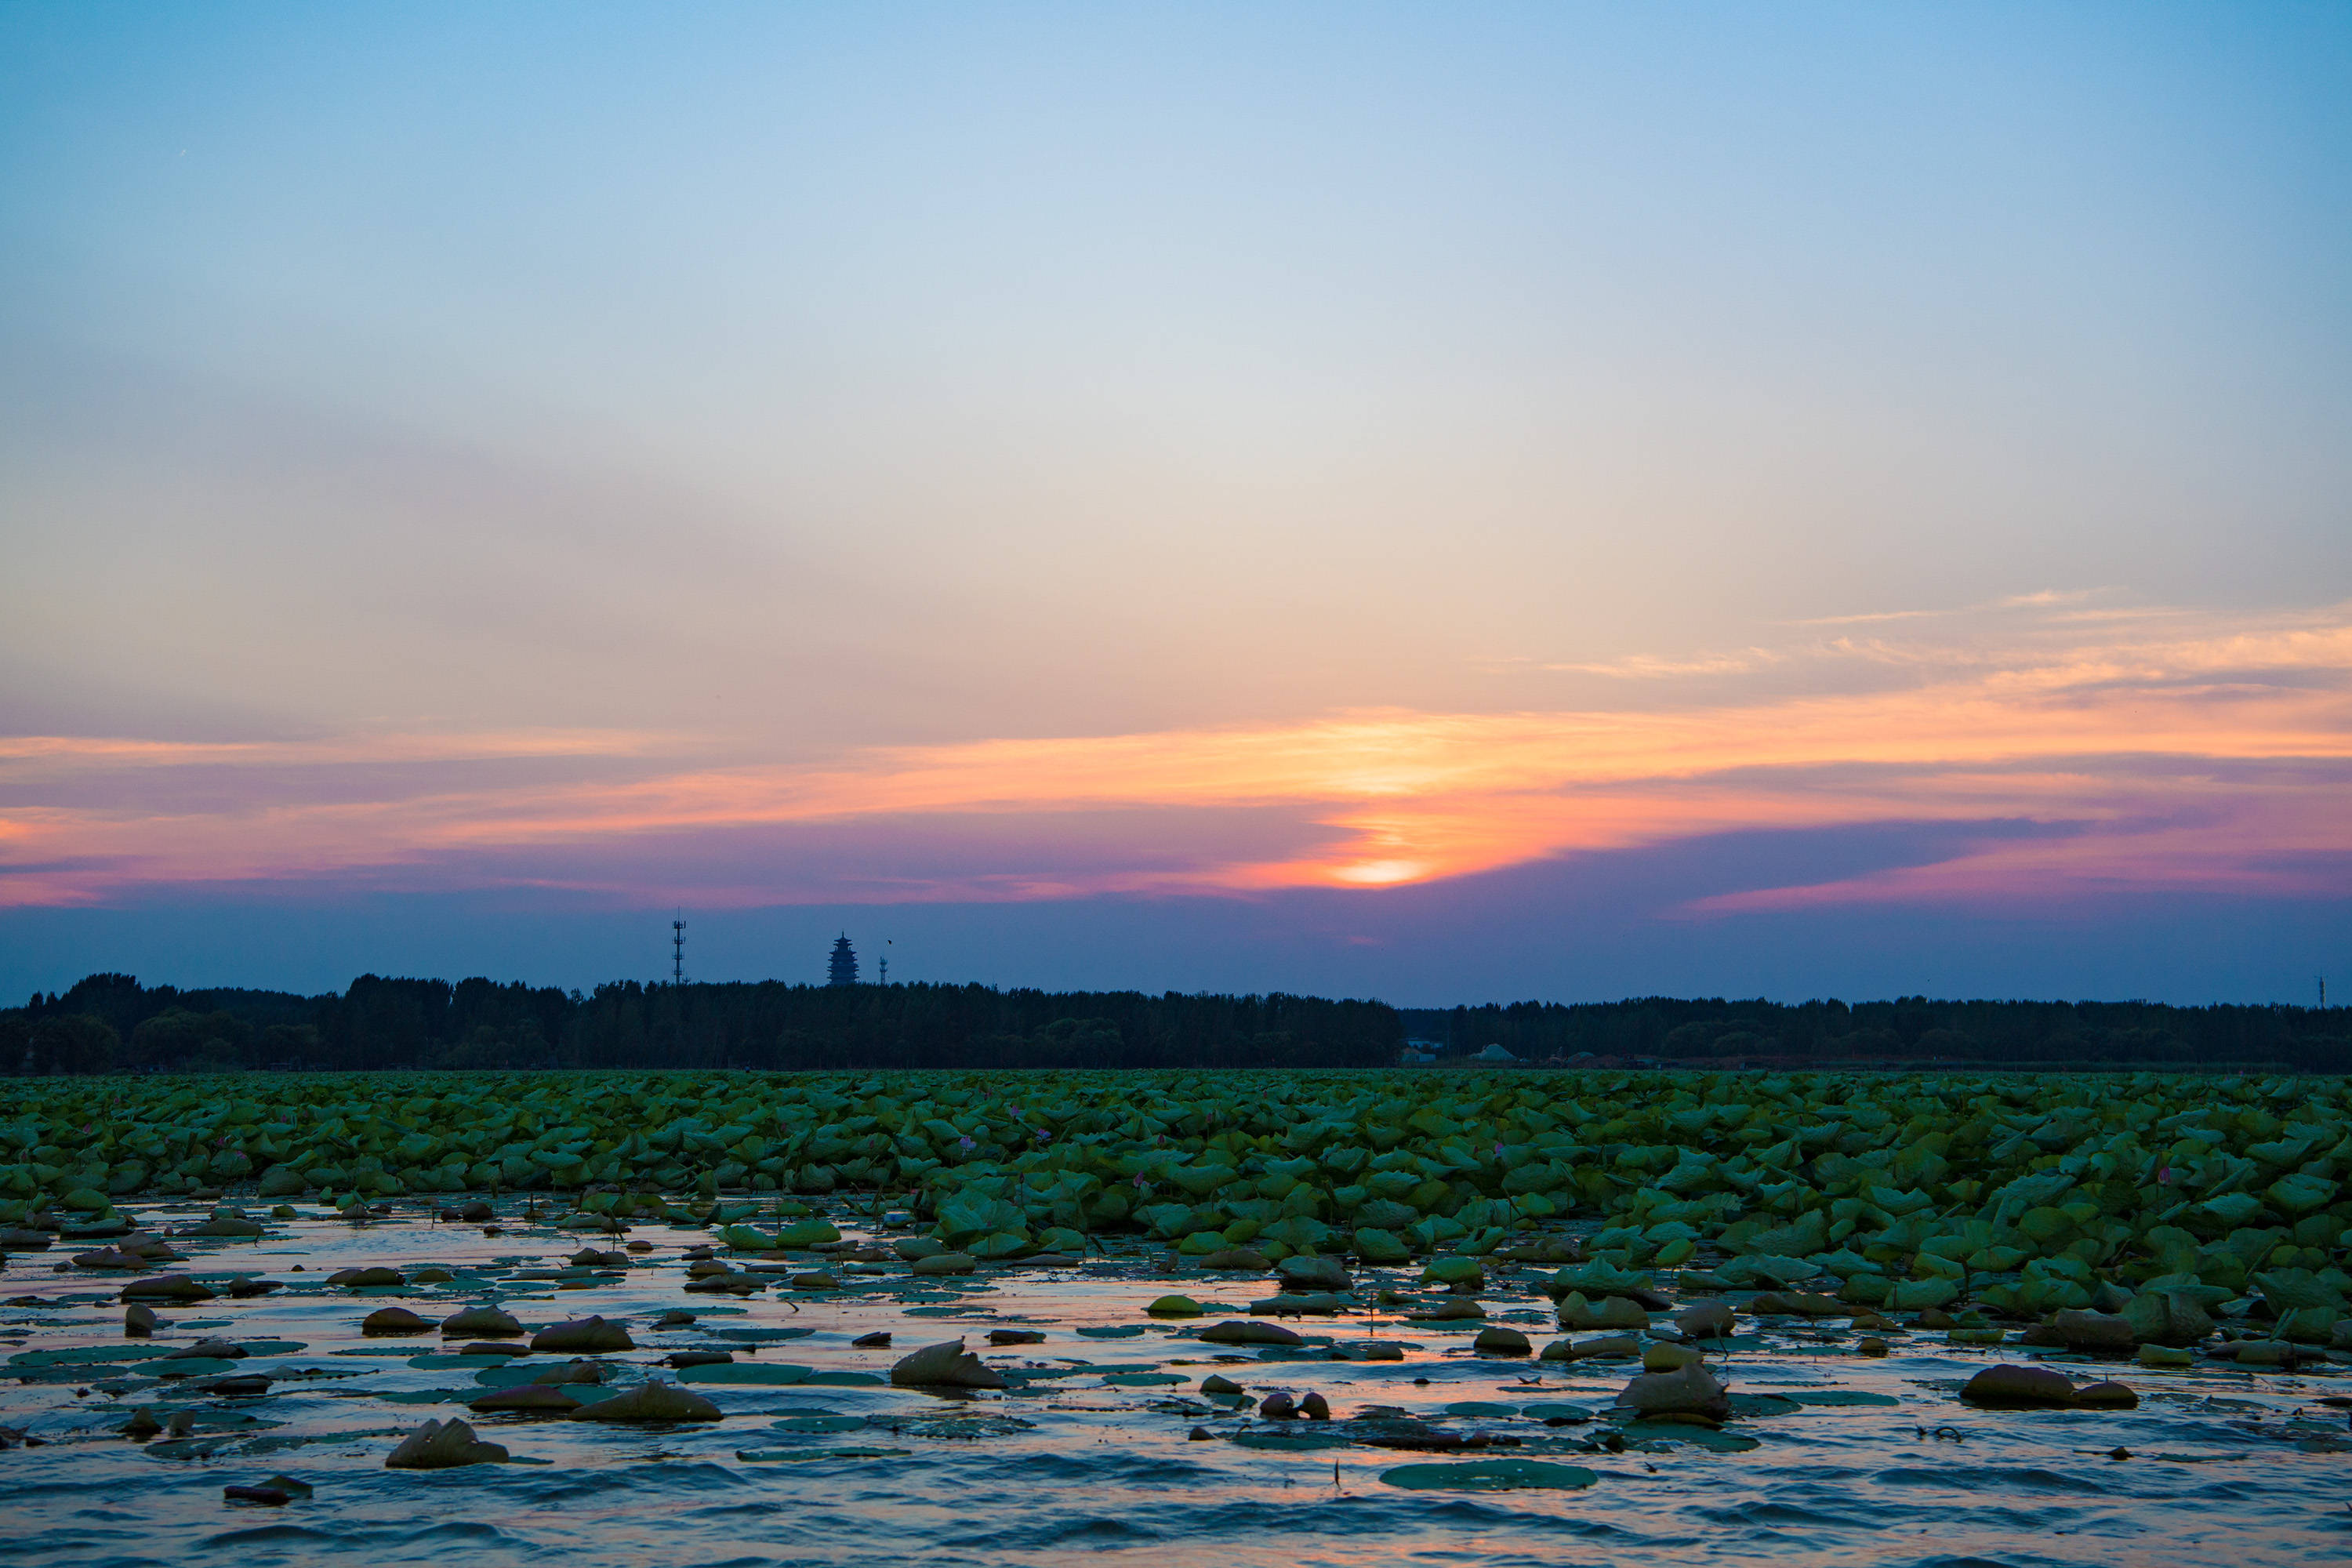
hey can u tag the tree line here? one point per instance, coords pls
(1908, 1028)
(111, 1023)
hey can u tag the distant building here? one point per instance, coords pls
(845, 962)
(1418, 1053)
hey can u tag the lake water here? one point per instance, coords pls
(1094, 1455)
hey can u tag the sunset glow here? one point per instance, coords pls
(1196, 495)
(2211, 759)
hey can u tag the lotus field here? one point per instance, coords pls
(2177, 1203)
(1245, 1318)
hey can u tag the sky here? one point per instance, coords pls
(1448, 502)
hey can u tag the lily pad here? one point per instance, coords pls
(89, 1355)
(1648, 1436)
(1556, 1413)
(955, 1426)
(192, 1366)
(768, 1375)
(1298, 1437)
(1490, 1476)
(190, 1447)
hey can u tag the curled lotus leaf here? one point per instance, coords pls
(651, 1402)
(443, 1445)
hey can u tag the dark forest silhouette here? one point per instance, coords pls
(1908, 1029)
(111, 1023)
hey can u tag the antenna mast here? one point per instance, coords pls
(677, 953)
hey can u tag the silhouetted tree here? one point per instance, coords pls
(70, 1043)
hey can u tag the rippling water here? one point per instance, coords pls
(2225, 1466)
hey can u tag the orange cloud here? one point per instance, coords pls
(2189, 751)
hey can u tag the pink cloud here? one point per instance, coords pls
(2188, 751)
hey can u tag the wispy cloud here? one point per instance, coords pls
(2040, 599)
(2197, 750)
(1649, 667)
(2044, 598)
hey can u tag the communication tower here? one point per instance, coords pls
(677, 953)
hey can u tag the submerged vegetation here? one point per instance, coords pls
(2179, 1200)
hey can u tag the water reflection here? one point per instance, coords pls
(1103, 1441)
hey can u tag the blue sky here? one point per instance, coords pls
(1165, 470)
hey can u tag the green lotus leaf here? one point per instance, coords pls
(2234, 1208)
(761, 1373)
(2300, 1195)
(1490, 1476)
(1652, 1435)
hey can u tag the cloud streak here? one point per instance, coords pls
(2174, 750)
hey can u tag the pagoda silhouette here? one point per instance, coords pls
(844, 971)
